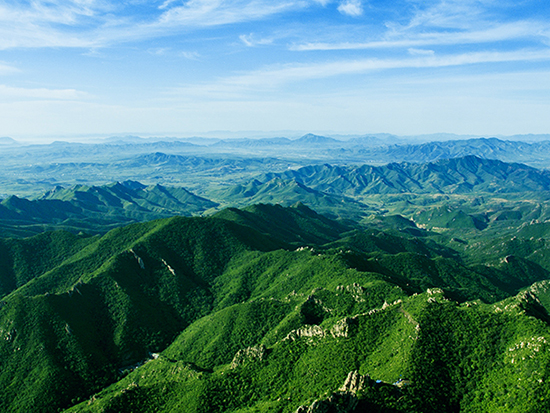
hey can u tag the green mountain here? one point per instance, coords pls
(422, 353)
(469, 174)
(26, 170)
(272, 309)
(131, 195)
(455, 196)
(298, 224)
(97, 208)
(288, 192)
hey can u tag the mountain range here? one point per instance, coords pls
(456, 175)
(339, 191)
(203, 165)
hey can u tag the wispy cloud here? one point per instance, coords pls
(96, 23)
(502, 32)
(166, 4)
(271, 78)
(11, 93)
(420, 52)
(50, 24)
(191, 55)
(351, 8)
(6, 69)
(159, 51)
(451, 14)
(250, 40)
(203, 13)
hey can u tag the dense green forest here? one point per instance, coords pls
(276, 309)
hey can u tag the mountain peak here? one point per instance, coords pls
(312, 139)
(8, 141)
(135, 185)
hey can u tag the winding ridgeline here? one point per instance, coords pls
(277, 309)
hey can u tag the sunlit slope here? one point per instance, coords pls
(108, 305)
(284, 191)
(416, 354)
(268, 309)
(298, 224)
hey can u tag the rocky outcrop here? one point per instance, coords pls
(354, 383)
(356, 290)
(138, 259)
(307, 331)
(343, 327)
(245, 355)
(336, 403)
(343, 401)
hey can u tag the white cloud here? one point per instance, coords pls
(191, 55)
(204, 13)
(166, 4)
(420, 52)
(272, 78)
(454, 14)
(97, 23)
(45, 24)
(40, 93)
(494, 33)
(352, 8)
(6, 69)
(158, 51)
(251, 41)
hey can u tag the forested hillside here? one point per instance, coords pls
(274, 309)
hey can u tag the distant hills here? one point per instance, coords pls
(492, 148)
(456, 175)
(8, 141)
(308, 140)
(384, 149)
(338, 191)
(204, 165)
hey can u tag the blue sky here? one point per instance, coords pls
(334, 66)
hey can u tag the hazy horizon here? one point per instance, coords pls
(243, 135)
